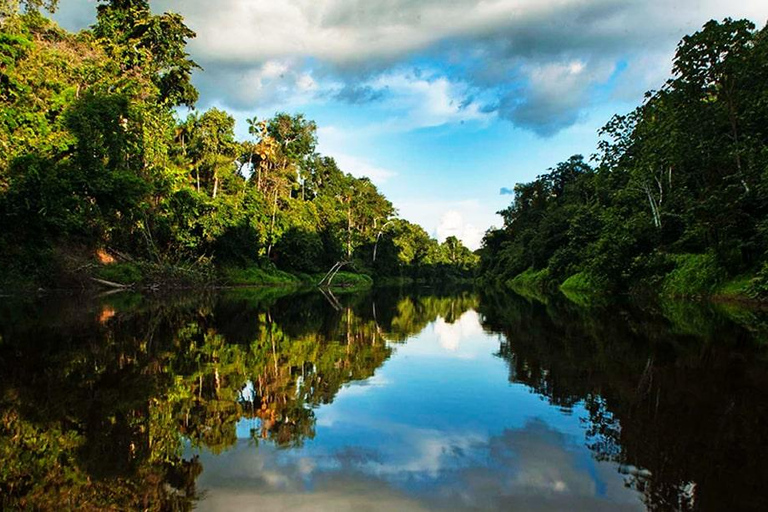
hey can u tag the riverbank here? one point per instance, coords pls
(111, 270)
(116, 271)
(696, 277)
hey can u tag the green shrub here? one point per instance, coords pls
(530, 284)
(530, 279)
(758, 287)
(121, 273)
(693, 275)
(257, 276)
(300, 251)
(586, 290)
(350, 280)
(740, 286)
(583, 282)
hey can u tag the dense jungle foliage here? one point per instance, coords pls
(102, 152)
(676, 199)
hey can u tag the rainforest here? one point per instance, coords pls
(674, 201)
(108, 172)
(207, 301)
(101, 178)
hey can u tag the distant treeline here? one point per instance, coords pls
(676, 200)
(95, 159)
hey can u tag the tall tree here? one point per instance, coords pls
(152, 44)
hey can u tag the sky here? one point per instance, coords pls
(444, 104)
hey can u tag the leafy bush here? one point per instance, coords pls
(758, 287)
(530, 279)
(350, 280)
(693, 275)
(530, 284)
(740, 286)
(584, 282)
(300, 250)
(257, 276)
(122, 273)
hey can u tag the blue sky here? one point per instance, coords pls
(441, 102)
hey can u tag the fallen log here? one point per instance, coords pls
(111, 284)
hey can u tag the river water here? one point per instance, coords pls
(387, 400)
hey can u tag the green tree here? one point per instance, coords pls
(150, 44)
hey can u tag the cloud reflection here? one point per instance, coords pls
(532, 468)
(450, 335)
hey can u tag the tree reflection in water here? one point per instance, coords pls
(677, 393)
(97, 397)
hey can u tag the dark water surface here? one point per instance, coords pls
(391, 400)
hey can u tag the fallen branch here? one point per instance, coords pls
(328, 279)
(111, 284)
(322, 281)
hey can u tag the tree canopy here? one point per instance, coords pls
(95, 157)
(675, 198)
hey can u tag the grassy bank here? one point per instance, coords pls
(531, 284)
(78, 270)
(692, 276)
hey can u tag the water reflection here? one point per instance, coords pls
(99, 396)
(437, 428)
(389, 400)
(534, 468)
(677, 389)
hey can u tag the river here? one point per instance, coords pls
(257, 399)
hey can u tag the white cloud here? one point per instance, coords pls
(357, 31)
(533, 468)
(536, 61)
(461, 219)
(402, 100)
(424, 101)
(539, 60)
(342, 31)
(555, 94)
(275, 83)
(453, 223)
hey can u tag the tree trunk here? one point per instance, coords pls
(654, 206)
(349, 228)
(735, 135)
(272, 225)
